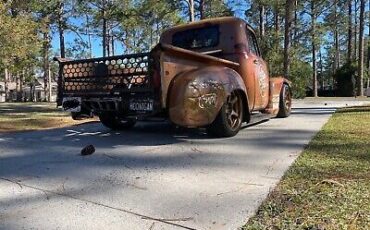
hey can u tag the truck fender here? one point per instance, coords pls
(276, 84)
(195, 97)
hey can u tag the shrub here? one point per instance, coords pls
(345, 80)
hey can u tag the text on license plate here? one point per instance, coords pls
(141, 105)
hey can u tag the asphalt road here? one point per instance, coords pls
(153, 177)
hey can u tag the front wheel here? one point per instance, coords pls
(115, 122)
(230, 118)
(285, 105)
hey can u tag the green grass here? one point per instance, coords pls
(328, 187)
(33, 116)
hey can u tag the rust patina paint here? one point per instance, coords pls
(181, 68)
(201, 93)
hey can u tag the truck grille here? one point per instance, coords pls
(104, 75)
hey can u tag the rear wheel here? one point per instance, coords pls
(83, 114)
(230, 118)
(80, 116)
(285, 105)
(115, 122)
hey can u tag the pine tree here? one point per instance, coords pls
(360, 79)
(19, 43)
(287, 38)
(350, 32)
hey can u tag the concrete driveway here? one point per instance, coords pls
(153, 177)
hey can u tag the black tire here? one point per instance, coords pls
(75, 116)
(230, 117)
(83, 114)
(114, 122)
(80, 116)
(285, 104)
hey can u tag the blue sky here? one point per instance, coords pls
(238, 7)
(70, 37)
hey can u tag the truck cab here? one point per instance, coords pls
(230, 39)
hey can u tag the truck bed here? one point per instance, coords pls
(104, 76)
(128, 84)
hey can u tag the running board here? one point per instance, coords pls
(258, 118)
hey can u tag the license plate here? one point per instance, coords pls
(72, 104)
(141, 105)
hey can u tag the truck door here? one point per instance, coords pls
(261, 83)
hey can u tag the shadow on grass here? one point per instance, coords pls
(11, 108)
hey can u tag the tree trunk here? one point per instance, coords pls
(202, 10)
(17, 87)
(350, 32)
(337, 53)
(112, 44)
(368, 53)
(313, 41)
(321, 69)
(32, 92)
(104, 34)
(151, 37)
(295, 29)
(88, 35)
(61, 25)
(355, 32)
(276, 19)
(288, 24)
(191, 10)
(45, 50)
(336, 39)
(21, 79)
(6, 79)
(262, 21)
(50, 88)
(105, 28)
(109, 40)
(314, 69)
(276, 25)
(360, 83)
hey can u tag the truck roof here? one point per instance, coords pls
(210, 21)
(231, 32)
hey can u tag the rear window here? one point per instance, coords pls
(197, 38)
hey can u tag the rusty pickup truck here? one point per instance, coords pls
(208, 74)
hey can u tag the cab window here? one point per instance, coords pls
(199, 38)
(252, 43)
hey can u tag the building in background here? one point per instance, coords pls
(12, 89)
(32, 92)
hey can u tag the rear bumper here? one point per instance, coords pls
(119, 105)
